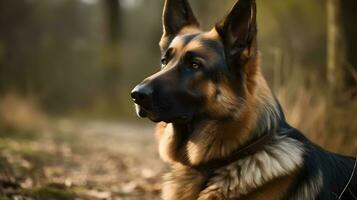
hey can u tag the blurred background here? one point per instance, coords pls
(68, 129)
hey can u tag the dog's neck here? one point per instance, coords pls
(186, 146)
(203, 140)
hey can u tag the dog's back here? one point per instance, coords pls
(332, 174)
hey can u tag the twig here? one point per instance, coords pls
(353, 195)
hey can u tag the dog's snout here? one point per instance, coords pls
(142, 95)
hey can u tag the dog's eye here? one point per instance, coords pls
(163, 62)
(195, 65)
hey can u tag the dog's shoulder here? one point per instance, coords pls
(324, 173)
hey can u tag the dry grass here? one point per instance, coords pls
(21, 113)
(42, 159)
(305, 111)
(73, 161)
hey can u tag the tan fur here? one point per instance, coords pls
(246, 175)
(168, 144)
(159, 130)
(182, 183)
(197, 45)
(236, 120)
(310, 188)
(165, 39)
(274, 190)
(212, 34)
(194, 46)
(216, 139)
(253, 177)
(189, 29)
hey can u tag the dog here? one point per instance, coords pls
(220, 128)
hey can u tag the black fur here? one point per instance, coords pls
(336, 169)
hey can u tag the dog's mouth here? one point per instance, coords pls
(146, 113)
(160, 116)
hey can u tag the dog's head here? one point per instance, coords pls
(203, 74)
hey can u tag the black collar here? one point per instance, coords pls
(250, 149)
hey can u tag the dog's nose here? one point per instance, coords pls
(142, 95)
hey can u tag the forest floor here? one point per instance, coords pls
(81, 161)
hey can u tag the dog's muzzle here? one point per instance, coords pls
(142, 97)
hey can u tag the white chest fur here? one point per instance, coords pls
(281, 157)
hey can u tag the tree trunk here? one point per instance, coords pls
(341, 75)
(114, 19)
(112, 51)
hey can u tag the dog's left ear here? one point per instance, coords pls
(238, 30)
(177, 14)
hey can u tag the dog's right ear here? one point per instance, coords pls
(177, 14)
(238, 29)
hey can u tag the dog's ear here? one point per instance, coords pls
(177, 14)
(238, 30)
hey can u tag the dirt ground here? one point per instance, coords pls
(81, 161)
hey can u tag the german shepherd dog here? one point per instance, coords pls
(220, 127)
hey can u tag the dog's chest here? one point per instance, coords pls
(227, 185)
(239, 179)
